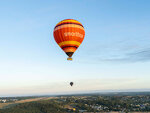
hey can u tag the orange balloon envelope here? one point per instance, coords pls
(69, 34)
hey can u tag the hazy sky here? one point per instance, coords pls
(115, 54)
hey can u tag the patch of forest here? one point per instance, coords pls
(36, 107)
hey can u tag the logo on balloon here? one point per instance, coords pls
(77, 34)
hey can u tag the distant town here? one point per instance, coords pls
(83, 103)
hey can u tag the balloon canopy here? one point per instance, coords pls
(69, 34)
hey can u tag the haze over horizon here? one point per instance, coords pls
(115, 54)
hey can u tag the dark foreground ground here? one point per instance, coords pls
(89, 103)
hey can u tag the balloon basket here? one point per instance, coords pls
(69, 58)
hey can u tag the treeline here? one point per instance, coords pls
(20, 98)
(36, 107)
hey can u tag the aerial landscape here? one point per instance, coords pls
(81, 56)
(81, 103)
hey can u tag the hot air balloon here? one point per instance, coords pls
(71, 83)
(69, 34)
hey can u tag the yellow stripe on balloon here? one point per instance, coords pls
(69, 42)
(69, 20)
(68, 25)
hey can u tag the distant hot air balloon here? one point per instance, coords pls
(69, 34)
(71, 83)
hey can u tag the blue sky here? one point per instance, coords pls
(115, 54)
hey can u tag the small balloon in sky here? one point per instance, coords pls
(69, 34)
(71, 83)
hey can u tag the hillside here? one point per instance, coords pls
(35, 107)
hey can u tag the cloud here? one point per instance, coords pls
(139, 56)
(119, 49)
(142, 55)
